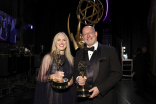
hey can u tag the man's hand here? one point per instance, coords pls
(95, 91)
(81, 81)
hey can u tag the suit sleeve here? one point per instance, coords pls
(115, 73)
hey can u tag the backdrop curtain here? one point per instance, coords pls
(152, 34)
(130, 25)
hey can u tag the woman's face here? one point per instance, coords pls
(61, 42)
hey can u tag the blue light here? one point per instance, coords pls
(31, 26)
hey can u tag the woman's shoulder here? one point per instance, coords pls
(47, 57)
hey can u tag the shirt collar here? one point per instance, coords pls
(95, 45)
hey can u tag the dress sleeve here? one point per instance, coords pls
(42, 74)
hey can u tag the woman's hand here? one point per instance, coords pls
(58, 75)
(70, 82)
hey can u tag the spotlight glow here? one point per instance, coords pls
(31, 26)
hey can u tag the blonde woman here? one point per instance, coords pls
(44, 93)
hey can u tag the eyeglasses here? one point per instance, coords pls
(90, 33)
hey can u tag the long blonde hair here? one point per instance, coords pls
(67, 50)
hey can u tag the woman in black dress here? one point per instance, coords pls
(44, 93)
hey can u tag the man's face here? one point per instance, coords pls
(89, 35)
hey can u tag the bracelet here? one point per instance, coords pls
(49, 78)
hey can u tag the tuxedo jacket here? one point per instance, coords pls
(106, 74)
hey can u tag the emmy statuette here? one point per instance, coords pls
(82, 92)
(61, 83)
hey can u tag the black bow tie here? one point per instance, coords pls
(89, 49)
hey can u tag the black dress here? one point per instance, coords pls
(45, 94)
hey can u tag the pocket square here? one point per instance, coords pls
(103, 59)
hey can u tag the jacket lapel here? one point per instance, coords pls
(96, 64)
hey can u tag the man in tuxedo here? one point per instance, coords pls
(103, 70)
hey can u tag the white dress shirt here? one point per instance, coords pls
(90, 55)
(91, 52)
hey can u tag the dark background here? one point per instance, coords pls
(127, 22)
